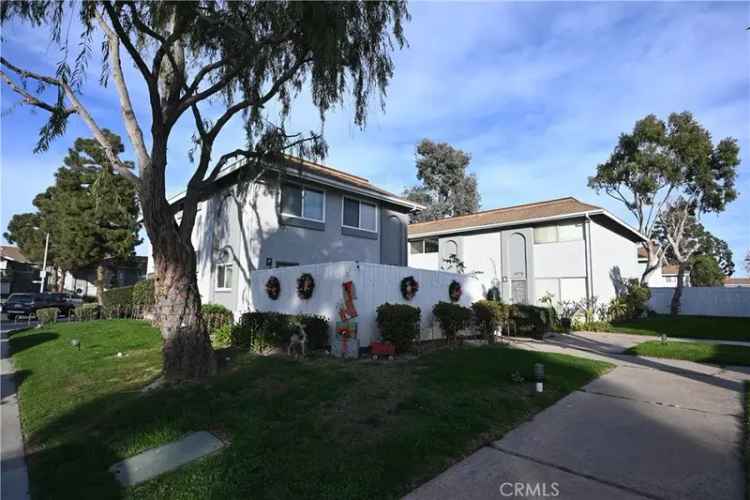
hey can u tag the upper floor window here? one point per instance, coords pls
(302, 202)
(360, 215)
(561, 232)
(423, 246)
(224, 277)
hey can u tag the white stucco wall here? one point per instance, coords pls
(375, 284)
(429, 261)
(614, 259)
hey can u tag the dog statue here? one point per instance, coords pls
(298, 339)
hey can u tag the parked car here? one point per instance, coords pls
(62, 301)
(24, 304)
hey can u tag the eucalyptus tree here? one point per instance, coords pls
(446, 189)
(672, 165)
(248, 60)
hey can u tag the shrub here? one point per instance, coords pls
(316, 328)
(266, 328)
(87, 311)
(452, 318)
(222, 336)
(47, 315)
(636, 297)
(122, 296)
(143, 293)
(398, 324)
(488, 315)
(533, 320)
(216, 316)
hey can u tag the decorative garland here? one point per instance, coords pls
(454, 291)
(409, 287)
(273, 287)
(305, 286)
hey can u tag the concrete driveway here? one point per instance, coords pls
(650, 428)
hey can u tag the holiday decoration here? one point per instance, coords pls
(305, 286)
(409, 287)
(273, 287)
(454, 291)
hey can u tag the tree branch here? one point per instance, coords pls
(128, 115)
(32, 100)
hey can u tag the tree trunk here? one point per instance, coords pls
(101, 276)
(61, 280)
(187, 350)
(653, 263)
(674, 308)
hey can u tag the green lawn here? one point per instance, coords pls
(318, 428)
(696, 327)
(717, 354)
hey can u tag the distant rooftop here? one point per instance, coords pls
(12, 253)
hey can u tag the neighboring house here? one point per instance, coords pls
(17, 273)
(664, 277)
(314, 214)
(565, 247)
(122, 272)
(737, 282)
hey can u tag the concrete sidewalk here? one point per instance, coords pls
(14, 484)
(650, 428)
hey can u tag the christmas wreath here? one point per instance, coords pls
(273, 287)
(454, 291)
(409, 287)
(305, 286)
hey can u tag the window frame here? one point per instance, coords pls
(224, 288)
(360, 201)
(423, 245)
(557, 233)
(303, 190)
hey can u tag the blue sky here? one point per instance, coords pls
(536, 92)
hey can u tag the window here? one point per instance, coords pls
(563, 232)
(224, 277)
(280, 263)
(360, 215)
(302, 202)
(423, 246)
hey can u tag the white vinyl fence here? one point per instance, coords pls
(374, 284)
(704, 301)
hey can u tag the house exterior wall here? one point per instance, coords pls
(374, 284)
(247, 230)
(614, 260)
(570, 270)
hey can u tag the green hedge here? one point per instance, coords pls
(122, 296)
(47, 315)
(87, 311)
(257, 329)
(143, 293)
(488, 316)
(399, 324)
(533, 320)
(452, 318)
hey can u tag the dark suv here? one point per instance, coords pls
(27, 304)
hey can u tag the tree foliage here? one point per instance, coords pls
(662, 165)
(705, 271)
(90, 212)
(446, 189)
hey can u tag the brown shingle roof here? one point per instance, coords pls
(517, 213)
(736, 281)
(12, 253)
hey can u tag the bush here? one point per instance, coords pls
(635, 297)
(488, 315)
(398, 324)
(222, 336)
(216, 316)
(533, 320)
(122, 296)
(261, 330)
(47, 315)
(452, 318)
(316, 328)
(87, 311)
(143, 293)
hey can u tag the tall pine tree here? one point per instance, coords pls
(91, 213)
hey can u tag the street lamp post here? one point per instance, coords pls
(43, 280)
